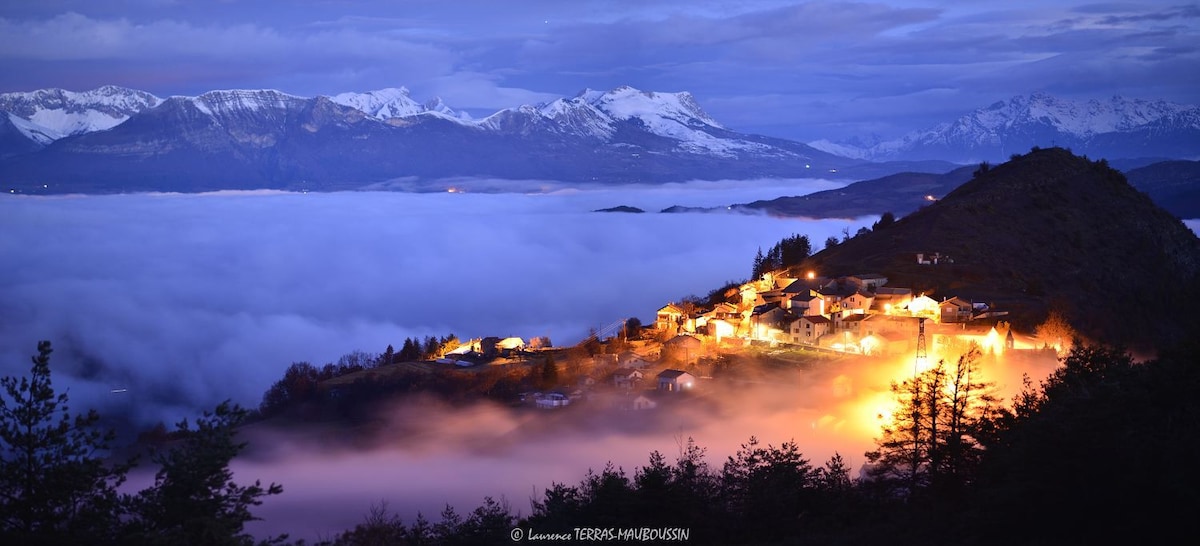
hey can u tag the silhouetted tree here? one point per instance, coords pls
(298, 385)
(1106, 446)
(633, 328)
(760, 265)
(410, 351)
(885, 220)
(934, 439)
(767, 488)
(55, 487)
(831, 242)
(194, 500)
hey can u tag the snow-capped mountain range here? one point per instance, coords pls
(118, 139)
(123, 138)
(50, 114)
(1117, 127)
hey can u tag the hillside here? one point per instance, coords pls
(1046, 230)
(899, 193)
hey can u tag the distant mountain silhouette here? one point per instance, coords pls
(1174, 185)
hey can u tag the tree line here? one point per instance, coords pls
(1098, 452)
(57, 485)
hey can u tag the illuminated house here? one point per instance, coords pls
(956, 310)
(851, 323)
(723, 310)
(669, 318)
(891, 300)
(924, 306)
(630, 359)
(768, 323)
(685, 349)
(809, 328)
(675, 381)
(722, 329)
(858, 302)
(806, 303)
(869, 282)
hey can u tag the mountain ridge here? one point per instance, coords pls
(1115, 128)
(236, 139)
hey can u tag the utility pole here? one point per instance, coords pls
(922, 358)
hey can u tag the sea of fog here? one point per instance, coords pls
(184, 300)
(181, 301)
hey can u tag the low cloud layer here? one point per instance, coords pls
(186, 300)
(430, 455)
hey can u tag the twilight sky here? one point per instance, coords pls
(802, 70)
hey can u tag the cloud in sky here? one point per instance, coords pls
(188, 299)
(824, 69)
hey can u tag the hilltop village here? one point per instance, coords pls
(780, 320)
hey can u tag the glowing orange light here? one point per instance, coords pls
(811, 275)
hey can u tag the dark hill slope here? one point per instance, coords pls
(899, 193)
(1046, 230)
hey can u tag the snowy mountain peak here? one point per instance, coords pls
(244, 100)
(1114, 127)
(65, 112)
(626, 102)
(1076, 117)
(392, 102)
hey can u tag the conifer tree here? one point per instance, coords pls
(55, 487)
(194, 500)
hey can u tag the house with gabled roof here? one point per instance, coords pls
(891, 299)
(924, 306)
(627, 379)
(768, 322)
(675, 381)
(808, 329)
(683, 348)
(630, 359)
(852, 323)
(668, 318)
(858, 302)
(956, 310)
(806, 303)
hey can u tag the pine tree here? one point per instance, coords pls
(194, 500)
(933, 441)
(54, 485)
(759, 265)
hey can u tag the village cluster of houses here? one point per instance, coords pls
(857, 314)
(633, 385)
